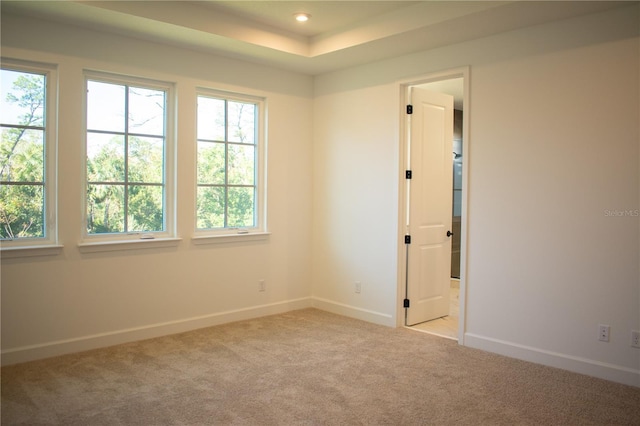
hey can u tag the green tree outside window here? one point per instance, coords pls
(22, 155)
(125, 158)
(226, 165)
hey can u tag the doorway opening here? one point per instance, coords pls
(450, 325)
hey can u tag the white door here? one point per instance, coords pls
(430, 205)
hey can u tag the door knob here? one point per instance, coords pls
(449, 233)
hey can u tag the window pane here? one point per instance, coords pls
(211, 119)
(126, 149)
(21, 211)
(105, 106)
(146, 111)
(241, 164)
(242, 122)
(22, 155)
(210, 205)
(240, 211)
(105, 209)
(227, 165)
(146, 159)
(145, 208)
(22, 98)
(105, 157)
(211, 163)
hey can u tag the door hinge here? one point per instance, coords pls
(407, 239)
(406, 303)
(409, 109)
(407, 174)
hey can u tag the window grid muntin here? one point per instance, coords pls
(257, 106)
(128, 84)
(48, 221)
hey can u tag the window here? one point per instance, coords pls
(229, 163)
(27, 155)
(128, 157)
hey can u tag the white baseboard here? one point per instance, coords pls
(79, 344)
(614, 373)
(353, 312)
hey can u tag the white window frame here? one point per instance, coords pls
(135, 240)
(259, 231)
(47, 245)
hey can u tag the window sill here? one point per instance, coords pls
(30, 251)
(230, 238)
(105, 246)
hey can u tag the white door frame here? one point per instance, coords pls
(404, 86)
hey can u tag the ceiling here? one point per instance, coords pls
(340, 34)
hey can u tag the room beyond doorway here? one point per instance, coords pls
(452, 325)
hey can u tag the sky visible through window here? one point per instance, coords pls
(10, 111)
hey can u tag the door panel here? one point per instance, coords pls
(430, 206)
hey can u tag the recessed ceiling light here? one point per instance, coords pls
(301, 17)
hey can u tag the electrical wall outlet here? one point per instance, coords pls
(358, 286)
(635, 338)
(603, 332)
(262, 285)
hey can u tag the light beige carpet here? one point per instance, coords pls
(305, 367)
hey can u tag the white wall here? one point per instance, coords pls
(76, 300)
(553, 144)
(355, 202)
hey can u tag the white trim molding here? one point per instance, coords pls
(614, 373)
(354, 312)
(102, 340)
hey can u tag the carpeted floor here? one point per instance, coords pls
(305, 367)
